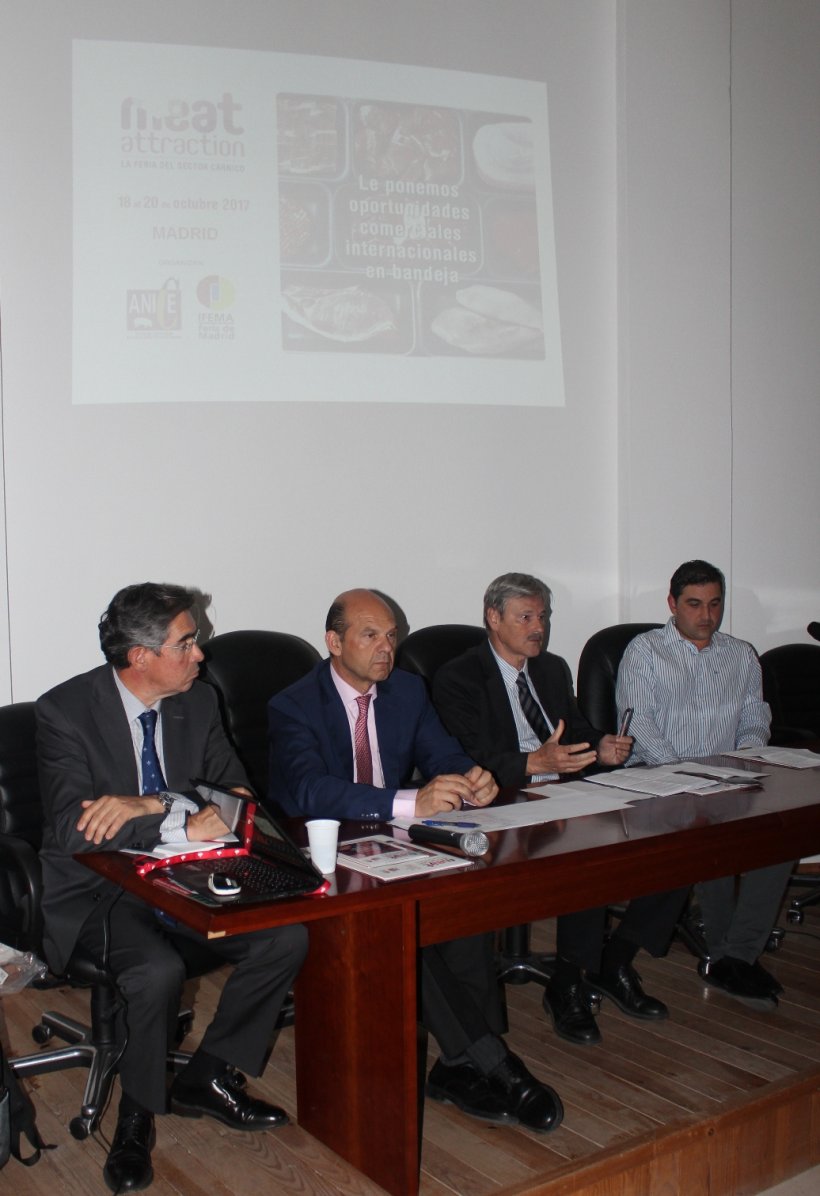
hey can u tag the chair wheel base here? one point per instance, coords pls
(775, 939)
(522, 969)
(80, 1128)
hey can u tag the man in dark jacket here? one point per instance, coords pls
(512, 707)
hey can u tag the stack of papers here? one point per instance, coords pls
(686, 777)
(785, 757)
(615, 790)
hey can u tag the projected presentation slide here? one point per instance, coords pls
(253, 226)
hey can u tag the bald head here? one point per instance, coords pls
(360, 633)
(337, 617)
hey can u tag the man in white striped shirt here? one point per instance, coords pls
(697, 692)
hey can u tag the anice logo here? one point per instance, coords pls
(155, 311)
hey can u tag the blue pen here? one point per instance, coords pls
(461, 825)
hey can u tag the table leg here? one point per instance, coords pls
(356, 1043)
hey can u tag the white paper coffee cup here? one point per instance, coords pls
(323, 837)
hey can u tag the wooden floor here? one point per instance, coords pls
(720, 1099)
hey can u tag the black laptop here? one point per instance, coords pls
(257, 853)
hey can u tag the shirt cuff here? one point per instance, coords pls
(404, 803)
(172, 827)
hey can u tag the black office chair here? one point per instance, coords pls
(791, 686)
(597, 677)
(247, 668)
(424, 651)
(20, 829)
(93, 1046)
(598, 673)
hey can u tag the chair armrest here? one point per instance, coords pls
(21, 891)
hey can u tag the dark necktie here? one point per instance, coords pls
(361, 742)
(532, 711)
(152, 779)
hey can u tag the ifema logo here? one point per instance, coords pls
(216, 294)
(155, 312)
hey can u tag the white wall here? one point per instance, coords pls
(674, 258)
(719, 270)
(657, 193)
(776, 317)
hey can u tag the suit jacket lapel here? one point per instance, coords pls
(115, 739)
(176, 750)
(498, 697)
(554, 704)
(388, 727)
(333, 717)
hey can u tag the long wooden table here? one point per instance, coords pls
(356, 997)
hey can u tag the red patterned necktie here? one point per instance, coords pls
(361, 742)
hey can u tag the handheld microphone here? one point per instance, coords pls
(814, 630)
(470, 842)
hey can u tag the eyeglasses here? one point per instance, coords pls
(186, 646)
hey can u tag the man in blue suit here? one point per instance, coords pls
(345, 742)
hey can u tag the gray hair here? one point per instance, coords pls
(139, 616)
(515, 585)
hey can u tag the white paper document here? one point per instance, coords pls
(786, 757)
(570, 800)
(693, 776)
(386, 859)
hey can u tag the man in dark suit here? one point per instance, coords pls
(511, 705)
(117, 748)
(345, 742)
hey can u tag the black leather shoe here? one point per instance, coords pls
(128, 1166)
(570, 1013)
(465, 1087)
(526, 1100)
(770, 982)
(623, 986)
(225, 1099)
(739, 979)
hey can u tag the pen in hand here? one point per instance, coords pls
(625, 721)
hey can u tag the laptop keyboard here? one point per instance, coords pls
(258, 877)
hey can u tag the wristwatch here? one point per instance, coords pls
(167, 800)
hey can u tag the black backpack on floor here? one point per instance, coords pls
(16, 1119)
